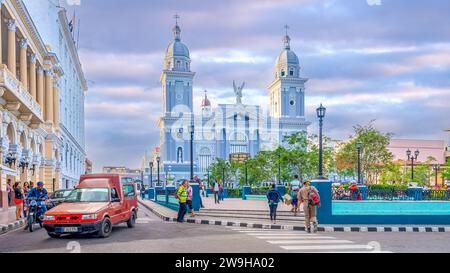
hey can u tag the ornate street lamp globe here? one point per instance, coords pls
(408, 153)
(416, 153)
(358, 145)
(321, 111)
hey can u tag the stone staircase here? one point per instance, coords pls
(251, 215)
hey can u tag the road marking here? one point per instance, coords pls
(144, 220)
(281, 234)
(293, 237)
(301, 242)
(327, 247)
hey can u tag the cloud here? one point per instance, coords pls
(387, 62)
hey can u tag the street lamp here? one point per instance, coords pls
(191, 131)
(412, 158)
(321, 114)
(246, 172)
(151, 174)
(158, 159)
(358, 148)
(436, 168)
(223, 175)
(279, 166)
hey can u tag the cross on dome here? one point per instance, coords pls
(287, 39)
(177, 29)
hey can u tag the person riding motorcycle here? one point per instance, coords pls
(40, 194)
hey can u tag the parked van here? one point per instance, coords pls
(98, 203)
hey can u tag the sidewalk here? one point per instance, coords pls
(8, 220)
(170, 216)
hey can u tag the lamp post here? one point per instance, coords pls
(151, 174)
(158, 159)
(246, 172)
(223, 175)
(436, 168)
(191, 131)
(279, 166)
(412, 158)
(358, 148)
(321, 115)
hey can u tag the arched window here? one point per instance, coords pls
(283, 73)
(180, 155)
(291, 72)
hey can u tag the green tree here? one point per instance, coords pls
(374, 151)
(446, 170)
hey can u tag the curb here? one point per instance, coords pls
(11, 226)
(369, 229)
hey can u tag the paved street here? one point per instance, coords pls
(153, 235)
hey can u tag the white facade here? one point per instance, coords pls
(51, 20)
(228, 129)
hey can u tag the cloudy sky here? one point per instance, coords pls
(387, 60)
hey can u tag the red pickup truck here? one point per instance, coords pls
(100, 202)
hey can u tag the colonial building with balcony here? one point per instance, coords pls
(31, 77)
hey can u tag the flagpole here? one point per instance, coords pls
(78, 33)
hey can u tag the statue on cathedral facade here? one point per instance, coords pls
(238, 92)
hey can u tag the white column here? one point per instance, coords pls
(24, 63)
(33, 76)
(12, 46)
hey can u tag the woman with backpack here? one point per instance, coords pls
(310, 198)
(273, 197)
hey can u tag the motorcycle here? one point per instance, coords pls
(35, 212)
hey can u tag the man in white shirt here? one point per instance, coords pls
(216, 193)
(295, 188)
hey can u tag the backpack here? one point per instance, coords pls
(313, 198)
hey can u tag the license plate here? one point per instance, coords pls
(70, 229)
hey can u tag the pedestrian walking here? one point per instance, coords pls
(190, 193)
(182, 198)
(221, 192)
(18, 200)
(216, 189)
(294, 187)
(143, 191)
(26, 190)
(9, 191)
(273, 197)
(310, 198)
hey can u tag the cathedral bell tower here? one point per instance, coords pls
(287, 90)
(176, 77)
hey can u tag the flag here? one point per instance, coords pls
(72, 23)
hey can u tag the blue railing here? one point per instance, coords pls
(410, 194)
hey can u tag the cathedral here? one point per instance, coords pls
(228, 129)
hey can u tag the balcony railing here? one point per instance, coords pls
(16, 93)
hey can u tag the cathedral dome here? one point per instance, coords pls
(177, 48)
(205, 101)
(287, 56)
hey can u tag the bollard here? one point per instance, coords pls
(363, 190)
(281, 189)
(245, 191)
(151, 194)
(195, 196)
(324, 213)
